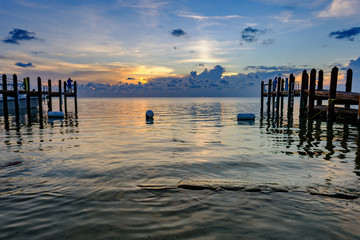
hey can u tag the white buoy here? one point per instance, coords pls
(55, 114)
(149, 114)
(245, 116)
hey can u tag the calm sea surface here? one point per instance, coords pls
(192, 173)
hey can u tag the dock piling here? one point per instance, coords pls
(291, 96)
(16, 100)
(312, 92)
(269, 96)
(39, 93)
(50, 98)
(320, 85)
(303, 94)
(349, 75)
(332, 93)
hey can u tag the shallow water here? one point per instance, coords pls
(109, 174)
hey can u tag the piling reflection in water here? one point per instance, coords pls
(328, 140)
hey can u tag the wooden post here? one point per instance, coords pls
(40, 101)
(312, 92)
(358, 117)
(269, 96)
(75, 98)
(282, 96)
(28, 107)
(274, 95)
(28, 100)
(278, 87)
(320, 85)
(16, 99)
(349, 75)
(60, 97)
(332, 93)
(65, 99)
(5, 103)
(262, 97)
(27, 84)
(49, 96)
(303, 95)
(290, 94)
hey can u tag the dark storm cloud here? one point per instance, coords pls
(349, 34)
(177, 32)
(24, 65)
(250, 34)
(17, 35)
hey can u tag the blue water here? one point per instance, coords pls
(192, 173)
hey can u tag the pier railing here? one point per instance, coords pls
(40, 93)
(311, 90)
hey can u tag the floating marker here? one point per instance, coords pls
(55, 114)
(245, 116)
(149, 114)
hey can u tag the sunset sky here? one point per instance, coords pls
(125, 41)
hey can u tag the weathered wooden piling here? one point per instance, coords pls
(75, 98)
(278, 88)
(16, 100)
(312, 92)
(303, 94)
(262, 96)
(332, 93)
(269, 96)
(65, 98)
(320, 85)
(291, 94)
(5, 102)
(282, 96)
(50, 97)
(39, 95)
(274, 95)
(60, 97)
(349, 75)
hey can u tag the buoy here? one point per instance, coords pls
(149, 114)
(55, 114)
(245, 116)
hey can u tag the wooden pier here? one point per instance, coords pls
(338, 102)
(41, 94)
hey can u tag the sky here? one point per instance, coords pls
(177, 48)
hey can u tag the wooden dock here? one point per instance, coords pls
(39, 93)
(338, 102)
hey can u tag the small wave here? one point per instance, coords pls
(223, 185)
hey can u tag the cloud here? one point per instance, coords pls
(349, 34)
(177, 32)
(355, 66)
(268, 41)
(209, 83)
(212, 75)
(24, 65)
(37, 52)
(288, 17)
(291, 69)
(251, 35)
(341, 8)
(198, 17)
(17, 35)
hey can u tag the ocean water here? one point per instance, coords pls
(194, 172)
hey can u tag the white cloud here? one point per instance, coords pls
(199, 17)
(341, 8)
(288, 17)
